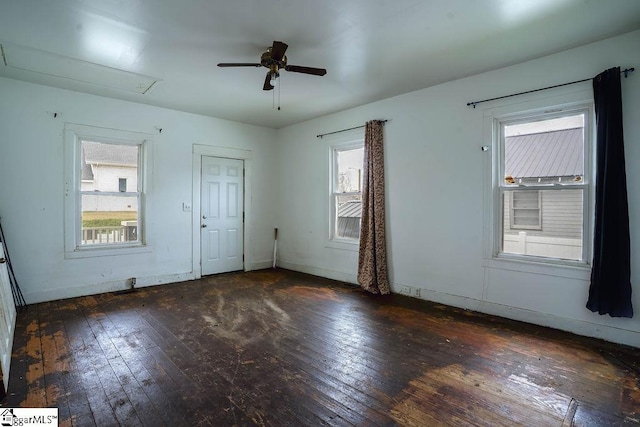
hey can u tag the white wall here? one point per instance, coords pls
(436, 181)
(31, 189)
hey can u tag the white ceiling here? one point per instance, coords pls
(372, 49)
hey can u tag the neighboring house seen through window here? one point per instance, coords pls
(525, 209)
(543, 181)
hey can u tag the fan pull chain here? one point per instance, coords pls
(273, 102)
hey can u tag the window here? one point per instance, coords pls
(346, 192)
(109, 214)
(543, 176)
(104, 206)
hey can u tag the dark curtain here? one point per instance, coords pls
(610, 289)
(372, 258)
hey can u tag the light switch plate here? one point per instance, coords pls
(186, 207)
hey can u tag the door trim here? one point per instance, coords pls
(229, 153)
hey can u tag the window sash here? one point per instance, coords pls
(335, 169)
(335, 219)
(347, 223)
(352, 193)
(111, 193)
(118, 235)
(500, 235)
(133, 238)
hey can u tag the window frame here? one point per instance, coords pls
(74, 134)
(334, 239)
(559, 102)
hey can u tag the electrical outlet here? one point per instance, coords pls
(186, 207)
(405, 289)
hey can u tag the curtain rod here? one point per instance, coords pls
(473, 104)
(344, 130)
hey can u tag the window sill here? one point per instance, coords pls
(107, 251)
(344, 244)
(558, 268)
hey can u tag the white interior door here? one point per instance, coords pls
(7, 319)
(221, 215)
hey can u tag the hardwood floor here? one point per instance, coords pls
(277, 348)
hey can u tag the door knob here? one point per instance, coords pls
(204, 225)
(2, 260)
(204, 217)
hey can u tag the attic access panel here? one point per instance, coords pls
(21, 60)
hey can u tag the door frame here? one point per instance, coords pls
(200, 151)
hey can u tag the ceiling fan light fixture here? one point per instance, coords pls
(274, 78)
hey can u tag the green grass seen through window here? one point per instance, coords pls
(107, 219)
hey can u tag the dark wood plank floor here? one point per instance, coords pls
(275, 348)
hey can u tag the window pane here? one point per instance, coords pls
(558, 234)
(105, 166)
(349, 216)
(546, 151)
(109, 219)
(349, 177)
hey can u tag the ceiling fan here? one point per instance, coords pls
(275, 60)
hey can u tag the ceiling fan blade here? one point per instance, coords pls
(238, 64)
(267, 82)
(306, 70)
(278, 50)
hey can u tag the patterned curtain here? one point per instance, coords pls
(372, 258)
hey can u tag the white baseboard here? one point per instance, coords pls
(322, 272)
(567, 324)
(576, 326)
(260, 265)
(580, 327)
(98, 288)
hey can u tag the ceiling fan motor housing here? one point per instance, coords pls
(273, 64)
